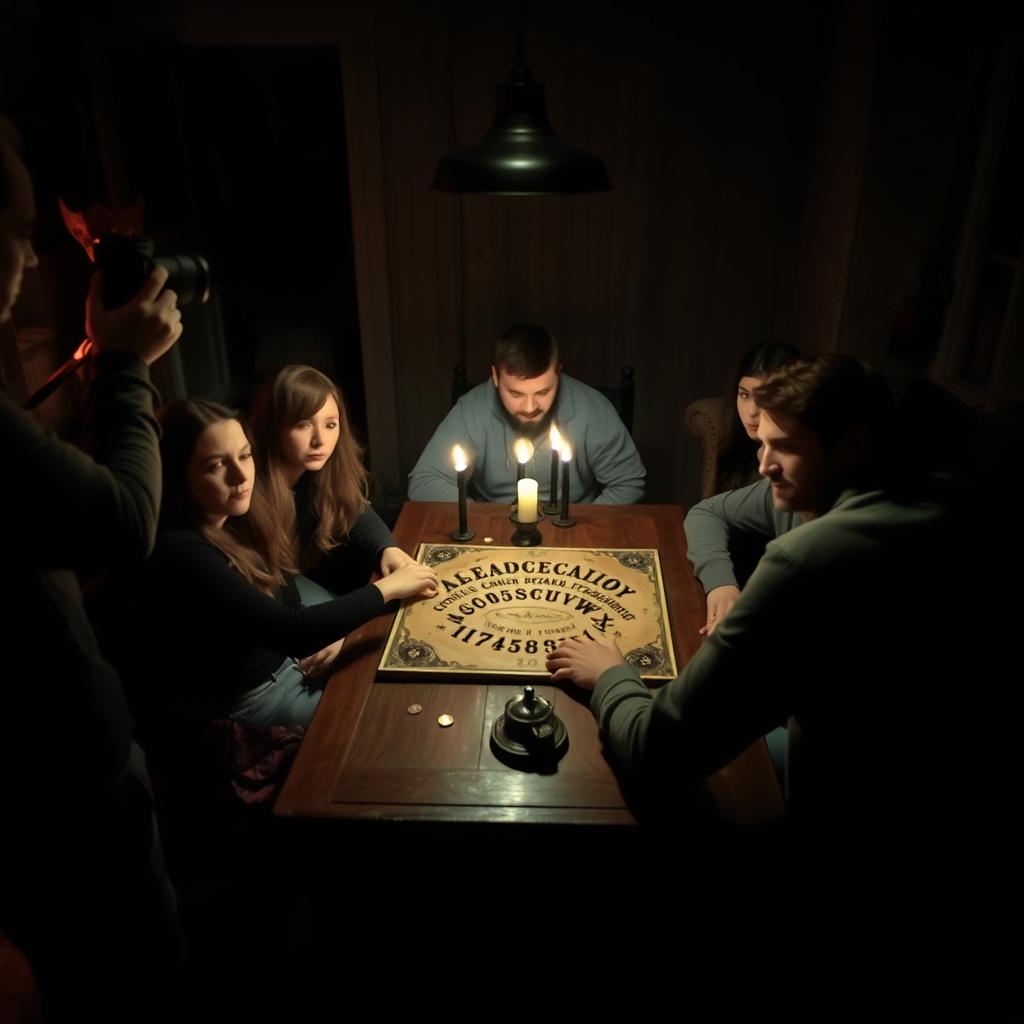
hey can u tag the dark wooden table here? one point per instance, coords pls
(365, 758)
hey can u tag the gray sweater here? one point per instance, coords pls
(808, 640)
(710, 523)
(606, 467)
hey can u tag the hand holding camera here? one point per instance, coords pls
(127, 311)
(147, 325)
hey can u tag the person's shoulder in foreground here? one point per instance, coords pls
(803, 644)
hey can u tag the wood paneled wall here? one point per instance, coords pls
(687, 262)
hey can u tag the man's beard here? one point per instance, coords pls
(534, 428)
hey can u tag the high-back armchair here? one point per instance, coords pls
(707, 419)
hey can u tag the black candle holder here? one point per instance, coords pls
(564, 520)
(527, 535)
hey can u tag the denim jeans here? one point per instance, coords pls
(287, 697)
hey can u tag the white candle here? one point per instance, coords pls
(527, 490)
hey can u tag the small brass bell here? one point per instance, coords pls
(528, 734)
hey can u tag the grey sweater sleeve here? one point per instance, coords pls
(710, 523)
(721, 702)
(614, 460)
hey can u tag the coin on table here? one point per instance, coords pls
(445, 720)
(414, 709)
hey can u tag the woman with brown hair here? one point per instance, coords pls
(220, 589)
(316, 486)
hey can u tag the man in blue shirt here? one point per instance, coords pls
(528, 392)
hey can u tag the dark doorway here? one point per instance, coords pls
(258, 183)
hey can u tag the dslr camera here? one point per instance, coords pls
(126, 262)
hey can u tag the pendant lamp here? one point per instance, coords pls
(521, 155)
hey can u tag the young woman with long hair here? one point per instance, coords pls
(316, 486)
(220, 590)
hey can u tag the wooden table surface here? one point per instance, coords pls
(365, 758)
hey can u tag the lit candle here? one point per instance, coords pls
(527, 491)
(524, 452)
(461, 465)
(566, 457)
(556, 443)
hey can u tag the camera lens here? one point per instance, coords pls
(188, 277)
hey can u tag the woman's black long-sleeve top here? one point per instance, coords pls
(222, 635)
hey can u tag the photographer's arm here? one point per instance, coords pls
(146, 327)
(73, 511)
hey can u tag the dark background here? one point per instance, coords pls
(842, 175)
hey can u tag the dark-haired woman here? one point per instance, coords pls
(233, 626)
(726, 533)
(737, 462)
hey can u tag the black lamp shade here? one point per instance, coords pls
(521, 155)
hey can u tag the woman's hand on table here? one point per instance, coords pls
(410, 580)
(583, 662)
(316, 664)
(392, 559)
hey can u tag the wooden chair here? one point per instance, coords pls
(621, 395)
(707, 419)
(460, 382)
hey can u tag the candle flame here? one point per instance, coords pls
(459, 458)
(566, 451)
(523, 450)
(556, 438)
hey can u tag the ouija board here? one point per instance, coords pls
(500, 611)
